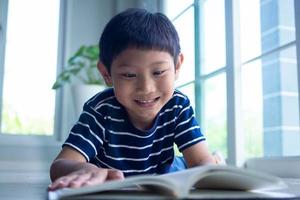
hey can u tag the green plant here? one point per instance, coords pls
(83, 66)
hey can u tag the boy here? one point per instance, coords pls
(131, 128)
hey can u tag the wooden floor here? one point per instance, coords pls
(26, 185)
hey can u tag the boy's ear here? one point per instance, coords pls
(180, 59)
(105, 74)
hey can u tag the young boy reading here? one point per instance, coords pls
(131, 128)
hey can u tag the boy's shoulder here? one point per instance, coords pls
(178, 94)
(178, 99)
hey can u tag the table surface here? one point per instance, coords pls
(23, 185)
(33, 186)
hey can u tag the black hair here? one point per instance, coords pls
(138, 28)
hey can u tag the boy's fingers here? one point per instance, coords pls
(59, 183)
(114, 174)
(62, 182)
(79, 180)
(97, 177)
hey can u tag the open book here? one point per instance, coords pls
(180, 184)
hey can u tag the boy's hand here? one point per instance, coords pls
(84, 177)
(218, 157)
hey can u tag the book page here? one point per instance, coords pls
(179, 184)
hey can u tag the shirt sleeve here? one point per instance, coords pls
(87, 135)
(187, 130)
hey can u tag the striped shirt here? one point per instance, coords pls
(105, 136)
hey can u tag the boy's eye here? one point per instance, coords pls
(128, 75)
(160, 72)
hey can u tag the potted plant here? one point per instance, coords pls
(82, 67)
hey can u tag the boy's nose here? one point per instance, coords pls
(146, 84)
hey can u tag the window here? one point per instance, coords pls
(212, 73)
(29, 65)
(269, 77)
(245, 87)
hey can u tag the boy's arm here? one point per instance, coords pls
(70, 169)
(198, 154)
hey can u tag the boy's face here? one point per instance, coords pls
(143, 82)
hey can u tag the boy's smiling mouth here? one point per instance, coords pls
(147, 103)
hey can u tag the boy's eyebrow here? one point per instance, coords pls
(152, 63)
(160, 62)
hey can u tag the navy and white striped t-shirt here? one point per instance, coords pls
(105, 136)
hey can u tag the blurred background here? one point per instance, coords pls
(241, 73)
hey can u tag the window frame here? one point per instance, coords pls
(235, 137)
(297, 27)
(3, 25)
(61, 60)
